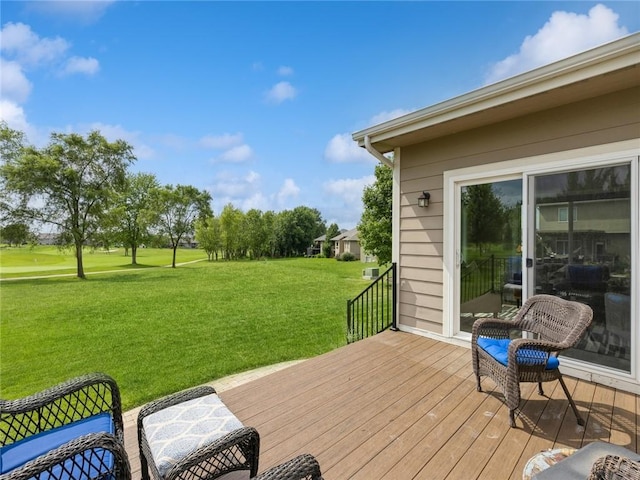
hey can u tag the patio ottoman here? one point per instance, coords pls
(193, 435)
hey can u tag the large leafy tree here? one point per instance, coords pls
(178, 209)
(132, 214)
(209, 236)
(374, 230)
(67, 184)
(256, 233)
(485, 213)
(15, 234)
(231, 225)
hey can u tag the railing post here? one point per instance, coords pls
(349, 322)
(394, 296)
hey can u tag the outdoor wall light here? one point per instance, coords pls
(423, 200)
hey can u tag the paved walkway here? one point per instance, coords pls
(222, 384)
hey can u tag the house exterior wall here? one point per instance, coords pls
(600, 120)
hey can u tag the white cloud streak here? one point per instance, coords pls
(342, 149)
(280, 92)
(564, 34)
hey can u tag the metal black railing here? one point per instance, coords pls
(486, 275)
(374, 310)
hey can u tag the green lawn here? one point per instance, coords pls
(26, 261)
(159, 330)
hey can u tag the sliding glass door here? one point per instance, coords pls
(581, 241)
(489, 253)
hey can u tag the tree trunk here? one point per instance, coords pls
(134, 254)
(173, 264)
(79, 260)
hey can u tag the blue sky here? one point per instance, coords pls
(256, 101)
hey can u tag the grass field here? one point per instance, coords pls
(26, 261)
(159, 330)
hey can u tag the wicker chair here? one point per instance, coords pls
(64, 431)
(499, 351)
(236, 451)
(302, 467)
(615, 467)
(92, 456)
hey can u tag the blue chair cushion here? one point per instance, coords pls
(17, 454)
(498, 348)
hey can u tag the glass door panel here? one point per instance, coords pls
(490, 250)
(583, 252)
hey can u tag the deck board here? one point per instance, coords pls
(401, 406)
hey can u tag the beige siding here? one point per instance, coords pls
(605, 119)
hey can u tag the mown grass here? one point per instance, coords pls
(25, 261)
(160, 330)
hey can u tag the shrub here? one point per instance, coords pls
(348, 257)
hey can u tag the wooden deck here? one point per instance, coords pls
(400, 406)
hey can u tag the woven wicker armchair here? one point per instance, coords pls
(499, 351)
(302, 467)
(92, 456)
(66, 428)
(615, 467)
(236, 451)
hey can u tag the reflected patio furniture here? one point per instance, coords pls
(618, 321)
(71, 430)
(551, 325)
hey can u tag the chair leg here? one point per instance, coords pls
(540, 391)
(512, 418)
(478, 387)
(571, 402)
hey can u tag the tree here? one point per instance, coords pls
(178, 209)
(67, 184)
(209, 236)
(132, 215)
(231, 225)
(485, 214)
(374, 230)
(256, 233)
(327, 246)
(15, 234)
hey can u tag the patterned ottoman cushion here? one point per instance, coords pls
(178, 430)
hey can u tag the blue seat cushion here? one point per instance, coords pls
(27, 449)
(498, 348)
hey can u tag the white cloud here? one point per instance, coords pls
(224, 141)
(15, 85)
(280, 92)
(243, 191)
(75, 11)
(342, 149)
(564, 34)
(19, 42)
(285, 71)
(13, 114)
(349, 190)
(288, 190)
(238, 154)
(86, 65)
(386, 116)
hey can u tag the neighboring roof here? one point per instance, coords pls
(607, 68)
(321, 238)
(349, 235)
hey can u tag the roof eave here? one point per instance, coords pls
(617, 55)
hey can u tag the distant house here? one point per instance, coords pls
(347, 241)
